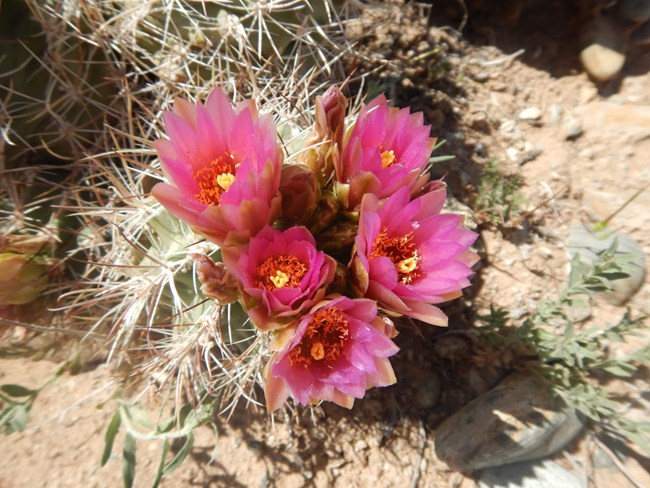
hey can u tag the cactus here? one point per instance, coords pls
(56, 87)
(94, 78)
(142, 283)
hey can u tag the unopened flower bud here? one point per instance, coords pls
(326, 212)
(216, 281)
(325, 140)
(330, 114)
(300, 190)
(23, 277)
(338, 237)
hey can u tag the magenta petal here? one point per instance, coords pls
(275, 391)
(185, 110)
(427, 313)
(220, 109)
(183, 137)
(177, 203)
(174, 168)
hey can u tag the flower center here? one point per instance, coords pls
(324, 339)
(387, 159)
(401, 251)
(215, 179)
(280, 271)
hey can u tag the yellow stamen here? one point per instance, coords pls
(224, 180)
(318, 351)
(387, 159)
(408, 265)
(280, 279)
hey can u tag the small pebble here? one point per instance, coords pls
(572, 128)
(482, 76)
(480, 149)
(554, 113)
(507, 125)
(529, 154)
(530, 114)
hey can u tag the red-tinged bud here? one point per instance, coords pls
(300, 191)
(216, 281)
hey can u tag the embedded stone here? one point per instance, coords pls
(516, 421)
(604, 54)
(534, 474)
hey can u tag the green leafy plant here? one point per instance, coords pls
(497, 199)
(135, 421)
(571, 359)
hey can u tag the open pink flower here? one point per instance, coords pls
(335, 353)
(387, 149)
(225, 165)
(281, 275)
(408, 256)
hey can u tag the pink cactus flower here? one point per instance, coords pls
(281, 273)
(225, 167)
(408, 256)
(335, 353)
(387, 149)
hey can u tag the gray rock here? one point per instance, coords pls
(546, 474)
(572, 128)
(589, 245)
(516, 421)
(604, 54)
(637, 11)
(530, 153)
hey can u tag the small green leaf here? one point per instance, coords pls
(18, 391)
(14, 419)
(623, 370)
(161, 465)
(138, 415)
(109, 437)
(128, 461)
(180, 455)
